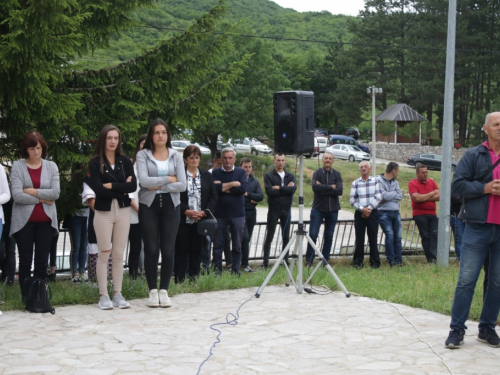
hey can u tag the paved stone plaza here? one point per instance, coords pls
(282, 332)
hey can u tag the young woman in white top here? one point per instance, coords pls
(162, 179)
(4, 196)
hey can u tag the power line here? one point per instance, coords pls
(330, 42)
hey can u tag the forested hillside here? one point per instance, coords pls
(257, 18)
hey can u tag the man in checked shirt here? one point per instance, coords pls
(365, 197)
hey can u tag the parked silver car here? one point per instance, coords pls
(348, 152)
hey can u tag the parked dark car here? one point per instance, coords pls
(431, 161)
(352, 132)
(344, 140)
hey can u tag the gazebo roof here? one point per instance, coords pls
(400, 112)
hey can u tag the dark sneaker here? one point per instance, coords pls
(76, 280)
(489, 336)
(248, 269)
(454, 340)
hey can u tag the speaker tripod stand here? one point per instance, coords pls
(297, 239)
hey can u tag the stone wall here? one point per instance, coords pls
(399, 152)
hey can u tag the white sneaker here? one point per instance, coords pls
(105, 303)
(119, 301)
(164, 300)
(153, 298)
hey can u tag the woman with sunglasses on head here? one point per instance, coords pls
(35, 188)
(112, 177)
(197, 202)
(162, 179)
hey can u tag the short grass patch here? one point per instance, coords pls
(416, 284)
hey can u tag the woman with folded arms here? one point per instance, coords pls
(112, 178)
(35, 188)
(162, 179)
(197, 202)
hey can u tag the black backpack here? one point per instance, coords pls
(37, 295)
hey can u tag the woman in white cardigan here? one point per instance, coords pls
(35, 188)
(4, 196)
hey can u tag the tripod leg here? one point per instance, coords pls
(327, 266)
(292, 262)
(275, 267)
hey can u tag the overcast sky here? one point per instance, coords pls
(347, 7)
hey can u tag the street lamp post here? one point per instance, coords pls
(374, 90)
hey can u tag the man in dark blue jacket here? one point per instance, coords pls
(231, 185)
(480, 188)
(280, 186)
(252, 197)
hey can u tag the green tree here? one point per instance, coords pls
(247, 111)
(180, 80)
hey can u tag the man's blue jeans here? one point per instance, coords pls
(315, 223)
(478, 240)
(236, 226)
(78, 232)
(457, 227)
(390, 222)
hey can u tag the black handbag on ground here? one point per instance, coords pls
(207, 226)
(37, 295)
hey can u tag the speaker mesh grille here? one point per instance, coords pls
(285, 136)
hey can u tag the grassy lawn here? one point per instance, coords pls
(417, 284)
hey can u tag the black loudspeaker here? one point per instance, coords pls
(294, 122)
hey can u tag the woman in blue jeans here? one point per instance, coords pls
(162, 178)
(78, 232)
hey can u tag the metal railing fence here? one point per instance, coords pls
(343, 242)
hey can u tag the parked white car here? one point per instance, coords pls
(180, 145)
(348, 152)
(258, 147)
(240, 147)
(322, 143)
(204, 149)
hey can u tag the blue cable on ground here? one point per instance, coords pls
(231, 320)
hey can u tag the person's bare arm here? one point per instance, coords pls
(134, 205)
(91, 202)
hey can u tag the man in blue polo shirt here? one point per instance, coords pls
(231, 185)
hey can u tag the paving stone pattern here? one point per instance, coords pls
(282, 332)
